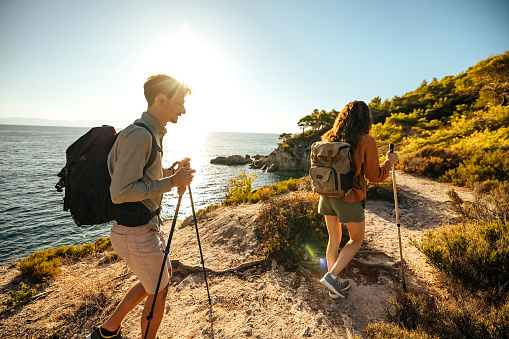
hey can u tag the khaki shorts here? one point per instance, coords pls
(346, 212)
(142, 248)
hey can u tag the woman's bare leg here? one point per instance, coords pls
(334, 229)
(356, 231)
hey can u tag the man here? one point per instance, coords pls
(142, 246)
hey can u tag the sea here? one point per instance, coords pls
(31, 210)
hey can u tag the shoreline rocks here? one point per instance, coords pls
(255, 162)
(231, 160)
(293, 156)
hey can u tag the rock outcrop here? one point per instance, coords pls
(257, 162)
(292, 155)
(232, 160)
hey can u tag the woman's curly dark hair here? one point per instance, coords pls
(351, 124)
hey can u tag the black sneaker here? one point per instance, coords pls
(332, 284)
(344, 284)
(96, 334)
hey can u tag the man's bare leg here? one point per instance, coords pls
(158, 313)
(134, 296)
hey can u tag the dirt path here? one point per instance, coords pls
(260, 301)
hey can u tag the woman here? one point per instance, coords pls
(352, 125)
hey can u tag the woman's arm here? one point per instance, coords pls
(373, 170)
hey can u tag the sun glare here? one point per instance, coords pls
(201, 67)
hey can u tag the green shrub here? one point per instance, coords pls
(263, 194)
(380, 190)
(102, 244)
(41, 267)
(491, 202)
(476, 254)
(20, 295)
(390, 331)
(480, 167)
(240, 189)
(416, 316)
(45, 264)
(112, 256)
(288, 222)
(430, 161)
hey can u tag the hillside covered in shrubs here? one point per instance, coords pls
(455, 129)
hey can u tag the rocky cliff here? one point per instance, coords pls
(293, 154)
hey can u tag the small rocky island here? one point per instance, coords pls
(257, 161)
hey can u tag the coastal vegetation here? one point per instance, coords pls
(455, 130)
(45, 264)
(23, 293)
(473, 257)
(289, 226)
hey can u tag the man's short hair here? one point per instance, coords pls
(163, 84)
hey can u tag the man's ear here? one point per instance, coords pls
(160, 98)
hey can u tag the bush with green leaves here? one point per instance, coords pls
(23, 293)
(241, 192)
(289, 225)
(45, 264)
(41, 265)
(240, 189)
(423, 316)
(266, 192)
(476, 254)
(430, 161)
(480, 167)
(491, 202)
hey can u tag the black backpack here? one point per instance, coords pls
(86, 181)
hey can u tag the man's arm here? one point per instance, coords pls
(126, 169)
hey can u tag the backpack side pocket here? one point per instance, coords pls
(323, 179)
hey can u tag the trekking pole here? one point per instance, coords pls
(199, 245)
(395, 189)
(180, 191)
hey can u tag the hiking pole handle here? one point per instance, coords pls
(182, 190)
(391, 148)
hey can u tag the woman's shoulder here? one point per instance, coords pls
(367, 139)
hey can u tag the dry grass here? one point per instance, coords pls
(72, 303)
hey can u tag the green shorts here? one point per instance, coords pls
(345, 211)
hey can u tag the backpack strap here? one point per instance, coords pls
(329, 158)
(155, 147)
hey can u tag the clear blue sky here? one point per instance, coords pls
(254, 66)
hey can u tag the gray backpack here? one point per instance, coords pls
(330, 171)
